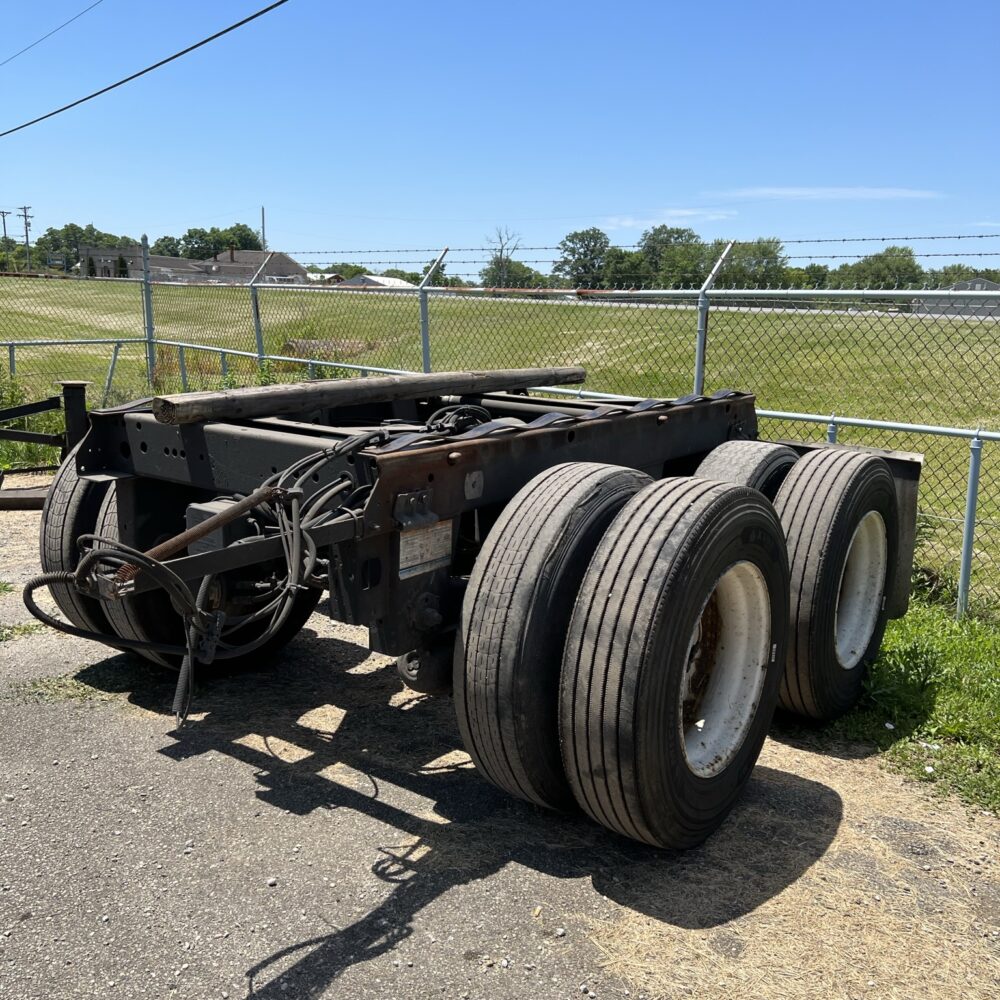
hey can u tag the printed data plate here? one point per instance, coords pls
(422, 550)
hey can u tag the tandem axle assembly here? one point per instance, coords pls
(617, 595)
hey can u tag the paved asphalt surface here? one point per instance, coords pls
(139, 861)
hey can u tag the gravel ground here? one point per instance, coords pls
(315, 830)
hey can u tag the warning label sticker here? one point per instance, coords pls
(422, 550)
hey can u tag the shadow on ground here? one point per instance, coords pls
(324, 699)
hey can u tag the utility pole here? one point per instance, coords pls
(263, 237)
(27, 246)
(6, 262)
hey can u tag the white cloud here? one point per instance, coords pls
(828, 193)
(666, 217)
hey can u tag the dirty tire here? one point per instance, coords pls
(71, 509)
(150, 616)
(684, 560)
(514, 618)
(758, 464)
(838, 509)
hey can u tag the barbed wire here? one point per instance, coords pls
(637, 246)
(854, 256)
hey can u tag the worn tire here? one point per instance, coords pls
(514, 618)
(682, 613)
(150, 616)
(71, 509)
(758, 464)
(838, 605)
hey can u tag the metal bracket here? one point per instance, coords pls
(413, 509)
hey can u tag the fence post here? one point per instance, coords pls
(258, 326)
(11, 360)
(701, 343)
(831, 429)
(258, 329)
(147, 312)
(969, 528)
(425, 320)
(111, 374)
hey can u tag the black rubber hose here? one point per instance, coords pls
(185, 678)
(115, 641)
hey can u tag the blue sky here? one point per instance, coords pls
(419, 125)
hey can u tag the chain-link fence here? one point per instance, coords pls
(917, 357)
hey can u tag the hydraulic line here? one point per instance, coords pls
(205, 632)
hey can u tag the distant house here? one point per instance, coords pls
(977, 308)
(229, 267)
(323, 278)
(375, 281)
(239, 266)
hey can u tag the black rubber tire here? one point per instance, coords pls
(514, 618)
(150, 616)
(70, 510)
(820, 505)
(629, 646)
(758, 464)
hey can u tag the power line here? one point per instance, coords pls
(50, 34)
(148, 69)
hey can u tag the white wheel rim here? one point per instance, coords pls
(727, 663)
(859, 597)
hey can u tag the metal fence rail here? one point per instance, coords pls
(909, 369)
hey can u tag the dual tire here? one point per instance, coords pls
(624, 643)
(621, 648)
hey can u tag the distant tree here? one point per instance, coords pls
(241, 236)
(502, 272)
(200, 244)
(411, 276)
(167, 246)
(818, 275)
(893, 267)
(441, 278)
(506, 244)
(950, 274)
(344, 269)
(582, 256)
(626, 269)
(7, 247)
(677, 257)
(67, 240)
(759, 263)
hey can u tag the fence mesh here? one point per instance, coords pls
(642, 346)
(914, 359)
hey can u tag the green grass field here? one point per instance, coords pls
(882, 365)
(931, 704)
